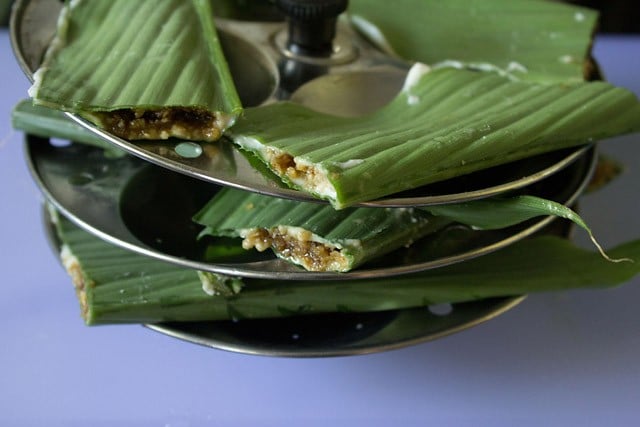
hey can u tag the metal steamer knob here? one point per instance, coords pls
(312, 25)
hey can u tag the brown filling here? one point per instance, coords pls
(187, 123)
(284, 165)
(313, 256)
(77, 278)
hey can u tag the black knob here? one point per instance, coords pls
(312, 24)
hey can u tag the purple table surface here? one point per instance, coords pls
(567, 358)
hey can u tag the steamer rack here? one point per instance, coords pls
(100, 195)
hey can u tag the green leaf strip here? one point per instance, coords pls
(535, 40)
(501, 212)
(49, 123)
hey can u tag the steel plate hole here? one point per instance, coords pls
(188, 150)
(81, 179)
(247, 10)
(254, 74)
(443, 309)
(56, 142)
(351, 94)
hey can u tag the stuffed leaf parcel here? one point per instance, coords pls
(444, 123)
(114, 285)
(314, 235)
(140, 69)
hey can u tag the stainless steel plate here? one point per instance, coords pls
(148, 210)
(340, 334)
(262, 70)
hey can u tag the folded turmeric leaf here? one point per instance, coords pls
(314, 235)
(116, 286)
(444, 123)
(140, 69)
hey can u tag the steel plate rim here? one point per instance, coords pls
(505, 304)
